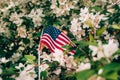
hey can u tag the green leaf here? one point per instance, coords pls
(30, 58)
(26, 41)
(115, 26)
(117, 52)
(9, 71)
(97, 8)
(91, 38)
(92, 43)
(110, 71)
(81, 43)
(84, 75)
(44, 74)
(100, 31)
(112, 75)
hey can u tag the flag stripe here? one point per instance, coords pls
(54, 39)
(48, 41)
(58, 40)
(73, 45)
(54, 43)
(48, 45)
(65, 36)
(51, 41)
(63, 39)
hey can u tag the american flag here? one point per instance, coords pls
(53, 38)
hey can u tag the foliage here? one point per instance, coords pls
(92, 25)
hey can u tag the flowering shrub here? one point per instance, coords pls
(92, 25)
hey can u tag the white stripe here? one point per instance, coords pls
(63, 38)
(61, 41)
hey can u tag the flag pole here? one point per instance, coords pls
(39, 52)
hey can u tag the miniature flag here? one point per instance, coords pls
(53, 38)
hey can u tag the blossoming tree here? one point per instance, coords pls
(92, 25)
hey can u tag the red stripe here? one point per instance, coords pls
(73, 45)
(65, 36)
(48, 41)
(61, 39)
(47, 45)
(59, 42)
(52, 44)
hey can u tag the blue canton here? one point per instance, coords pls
(52, 31)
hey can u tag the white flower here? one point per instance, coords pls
(110, 48)
(15, 57)
(63, 8)
(57, 72)
(21, 48)
(22, 32)
(16, 18)
(62, 2)
(44, 66)
(0, 71)
(90, 19)
(12, 44)
(45, 56)
(36, 16)
(84, 10)
(2, 30)
(4, 60)
(74, 26)
(97, 18)
(53, 6)
(10, 5)
(84, 15)
(100, 71)
(76, 29)
(1, 78)
(58, 55)
(97, 51)
(70, 63)
(83, 66)
(19, 66)
(27, 74)
(103, 51)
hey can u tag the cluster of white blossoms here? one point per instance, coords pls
(27, 74)
(76, 29)
(16, 18)
(4, 60)
(22, 31)
(62, 7)
(64, 61)
(104, 50)
(15, 57)
(85, 20)
(36, 15)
